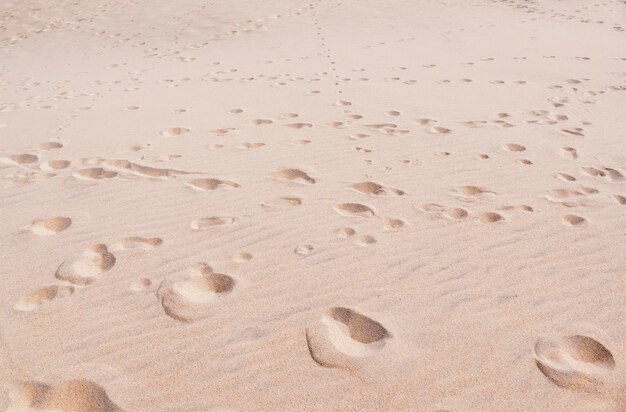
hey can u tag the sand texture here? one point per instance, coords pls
(327, 205)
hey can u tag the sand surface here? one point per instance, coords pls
(328, 205)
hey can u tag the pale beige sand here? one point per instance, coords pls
(326, 205)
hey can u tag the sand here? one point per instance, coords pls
(328, 205)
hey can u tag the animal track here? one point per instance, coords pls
(186, 300)
(574, 362)
(50, 226)
(83, 269)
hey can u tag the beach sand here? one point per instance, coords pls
(329, 205)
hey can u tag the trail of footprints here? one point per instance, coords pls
(343, 338)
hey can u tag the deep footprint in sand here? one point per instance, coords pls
(204, 185)
(75, 395)
(343, 337)
(293, 175)
(212, 221)
(42, 296)
(84, 268)
(187, 298)
(574, 362)
(355, 209)
(50, 226)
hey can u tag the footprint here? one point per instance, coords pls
(23, 159)
(204, 185)
(300, 125)
(50, 226)
(514, 147)
(140, 284)
(456, 213)
(42, 296)
(175, 131)
(260, 122)
(393, 224)
(568, 153)
(366, 240)
(375, 189)
(620, 199)
(472, 190)
(84, 268)
(294, 175)
(344, 233)
(490, 217)
(303, 250)
(212, 221)
(347, 332)
(355, 209)
(439, 130)
(574, 220)
(242, 257)
(250, 146)
(55, 165)
(283, 201)
(566, 177)
(49, 145)
(574, 362)
(94, 173)
(431, 208)
(136, 242)
(75, 395)
(186, 299)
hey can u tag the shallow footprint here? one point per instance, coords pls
(50, 226)
(574, 362)
(490, 217)
(186, 299)
(212, 221)
(204, 185)
(355, 209)
(375, 189)
(573, 220)
(136, 242)
(84, 268)
(294, 175)
(42, 296)
(175, 131)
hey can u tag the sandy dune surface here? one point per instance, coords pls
(312, 205)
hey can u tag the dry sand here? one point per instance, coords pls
(326, 205)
